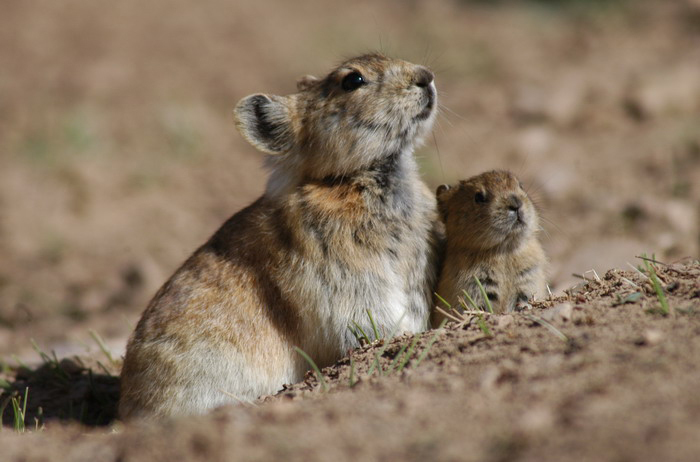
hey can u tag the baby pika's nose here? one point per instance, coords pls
(514, 203)
(423, 77)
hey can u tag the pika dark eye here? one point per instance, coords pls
(479, 198)
(352, 81)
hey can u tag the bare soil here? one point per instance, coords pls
(118, 158)
(590, 375)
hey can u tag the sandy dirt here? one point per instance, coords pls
(118, 157)
(591, 375)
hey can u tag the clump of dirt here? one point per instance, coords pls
(601, 373)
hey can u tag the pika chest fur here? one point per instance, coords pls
(345, 225)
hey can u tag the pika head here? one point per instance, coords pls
(490, 211)
(367, 108)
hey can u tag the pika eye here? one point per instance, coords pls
(352, 81)
(479, 198)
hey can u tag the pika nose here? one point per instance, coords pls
(514, 203)
(423, 77)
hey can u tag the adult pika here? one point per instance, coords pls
(345, 225)
(491, 229)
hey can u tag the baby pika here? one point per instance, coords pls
(491, 229)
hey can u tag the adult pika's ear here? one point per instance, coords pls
(266, 122)
(306, 82)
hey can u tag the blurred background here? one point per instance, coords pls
(118, 155)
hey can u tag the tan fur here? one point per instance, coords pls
(492, 237)
(345, 225)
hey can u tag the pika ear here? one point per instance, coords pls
(443, 188)
(306, 82)
(441, 201)
(266, 122)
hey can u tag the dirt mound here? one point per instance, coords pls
(602, 373)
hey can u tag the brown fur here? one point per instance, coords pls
(493, 237)
(345, 225)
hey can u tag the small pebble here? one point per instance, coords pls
(652, 336)
(559, 312)
(505, 321)
(489, 377)
(537, 419)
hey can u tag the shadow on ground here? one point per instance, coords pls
(69, 390)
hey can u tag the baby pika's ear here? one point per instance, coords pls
(266, 122)
(306, 82)
(442, 200)
(443, 188)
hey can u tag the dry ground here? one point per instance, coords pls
(600, 373)
(118, 158)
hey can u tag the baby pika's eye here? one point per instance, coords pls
(479, 198)
(352, 81)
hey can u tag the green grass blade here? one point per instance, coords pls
(52, 361)
(483, 295)
(386, 344)
(16, 412)
(549, 327)
(319, 375)
(364, 335)
(24, 407)
(447, 304)
(378, 364)
(18, 415)
(44, 357)
(102, 345)
(355, 334)
(656, 283)
(396, 359)
(19, 362)
(479, 318)
(352, 372)
(20, 411)
(471, 300)
(408, 354)
(432, 340)
(3, 406)
(374, 325)
(482, 325)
